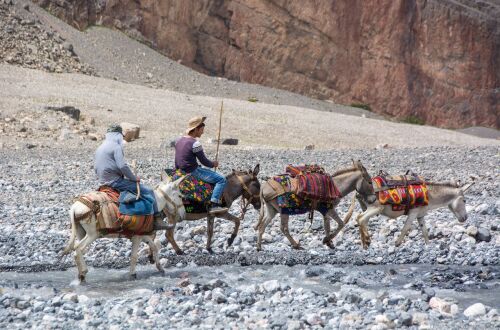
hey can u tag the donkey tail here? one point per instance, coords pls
(351, 210)
(261, 211)
(71, 243)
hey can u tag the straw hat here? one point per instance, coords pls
(195, 122)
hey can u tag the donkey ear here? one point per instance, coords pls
(256, 169)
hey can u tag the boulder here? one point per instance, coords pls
(230, 141)
(69, 110)
(477, 309)
(471, 231)
(130, 131)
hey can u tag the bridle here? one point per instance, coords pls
(247, 190)
(171, 202)
(245, 201)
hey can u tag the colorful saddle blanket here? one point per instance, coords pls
(196, 193)
(291, 203)
(313, 183)
(403, 193)
(104, 203)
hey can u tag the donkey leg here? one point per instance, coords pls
(425, 233)
(155, 253)
(269, 214)
(326, 226)
(169, 235)
(340, 225)
(80, 252)
(210, 233)
(284, 230)
(237, 222)
(363, 225)
(406, 228)
(136, 241)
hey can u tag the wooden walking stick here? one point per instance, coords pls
(137, 182)
(218, 137)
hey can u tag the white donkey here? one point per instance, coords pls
(167, 196)
(439, 194)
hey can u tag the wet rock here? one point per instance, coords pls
(271, 286)
(475, 310)
(483, 235)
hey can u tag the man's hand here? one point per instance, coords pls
(216, 163)
(138, 179)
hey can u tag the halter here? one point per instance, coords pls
(245, 188)
(169, 200)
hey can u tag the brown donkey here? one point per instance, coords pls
(238, 183)
(346, 180)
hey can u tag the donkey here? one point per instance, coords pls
(167, 196)
(238, 183)
(440, 194)
(346, 180)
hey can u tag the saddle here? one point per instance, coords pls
(196, 193)
(403, 192)
(104, 203)
(314, 183)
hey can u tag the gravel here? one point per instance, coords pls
(47, 179)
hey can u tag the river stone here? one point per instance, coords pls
(477, 309)
(271, 286)
(483, 235)
(471, 231)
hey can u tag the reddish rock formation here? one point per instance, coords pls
(438, 61)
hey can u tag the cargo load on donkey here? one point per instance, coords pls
(304, 188)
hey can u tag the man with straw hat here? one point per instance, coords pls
(113, 171)
(188, 151)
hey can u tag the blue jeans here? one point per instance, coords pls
(214, 178)
(127, 185)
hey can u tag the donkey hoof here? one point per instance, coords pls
(230, 241)
(151, 260)
(133, 276)
(161, 271)
(81, 278)
(180, 253)
(298, 247)
(210, 250)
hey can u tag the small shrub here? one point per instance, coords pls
(413, 120)
(361, 106)
(252, 99)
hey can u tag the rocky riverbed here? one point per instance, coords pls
(414, 285)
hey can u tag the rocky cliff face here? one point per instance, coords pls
(429, 60)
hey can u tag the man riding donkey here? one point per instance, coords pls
(113, 171)
(188, 151)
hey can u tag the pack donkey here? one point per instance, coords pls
(238, 183)
(442, 194)
(346, 180)
(85, 228)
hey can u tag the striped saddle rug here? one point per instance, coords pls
(403, 192)
(314, 183)
(104, 204)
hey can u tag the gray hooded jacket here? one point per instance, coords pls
(109, 160)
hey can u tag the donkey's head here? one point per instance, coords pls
(457, 204)
(246, 184)
(364, 185)
(171, 193)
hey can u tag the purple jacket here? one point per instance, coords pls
(187, 150)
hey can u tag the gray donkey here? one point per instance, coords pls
(239, 183)
(346, 180)
(439, 194)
